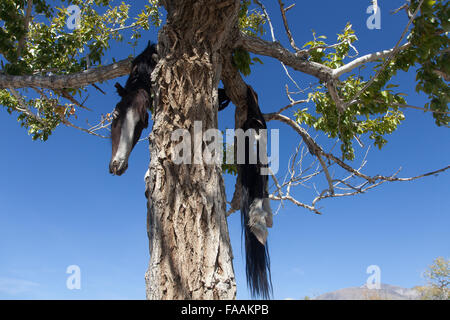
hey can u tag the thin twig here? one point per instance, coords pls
(286, 26)
(387, 61)
(27, 19)
(263, 8)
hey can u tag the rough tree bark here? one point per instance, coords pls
(190, 250)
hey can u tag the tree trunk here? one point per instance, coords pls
(190, 250)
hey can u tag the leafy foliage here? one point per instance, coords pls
(41, 125)
(242, 60)
(438, 280)
(52, 48)
(251, 21)
(360, 118)
(429, 51)
(376, 112)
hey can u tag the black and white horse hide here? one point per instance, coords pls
(256, 213)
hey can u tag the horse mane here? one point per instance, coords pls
(138, 86)
(142, 100)
(141, 69)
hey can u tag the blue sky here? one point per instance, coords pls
(59, 206)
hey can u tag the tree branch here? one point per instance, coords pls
(75, 80)
(70, 124)
(387, 61)
(286, 26)
(365, 59)
(296, 202)
(313, 147)
(22, 106)
(26, 23)
(276, 50)
(266, 14)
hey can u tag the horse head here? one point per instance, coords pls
(130, 116)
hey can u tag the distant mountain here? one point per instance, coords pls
(386, 292)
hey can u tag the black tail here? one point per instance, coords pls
(257, 260)
(256, 214)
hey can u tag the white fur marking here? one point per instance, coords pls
(126, 136)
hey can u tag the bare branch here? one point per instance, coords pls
(367, 183)
(365, 59)
(286, 26)
(327, 174)
(313, 147)
(277, 51)
(266, 14)
(296, 61)
(296, 202)
(22, 107)
(293, 103)
(357, 191)
(75, 80)
(269, 21)
(69, 97)
(404, 6)
(70, 124)
(393, 179)
(415, 107)
(289, 7)
(316, 150)
(332, 89)
(98, 88)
